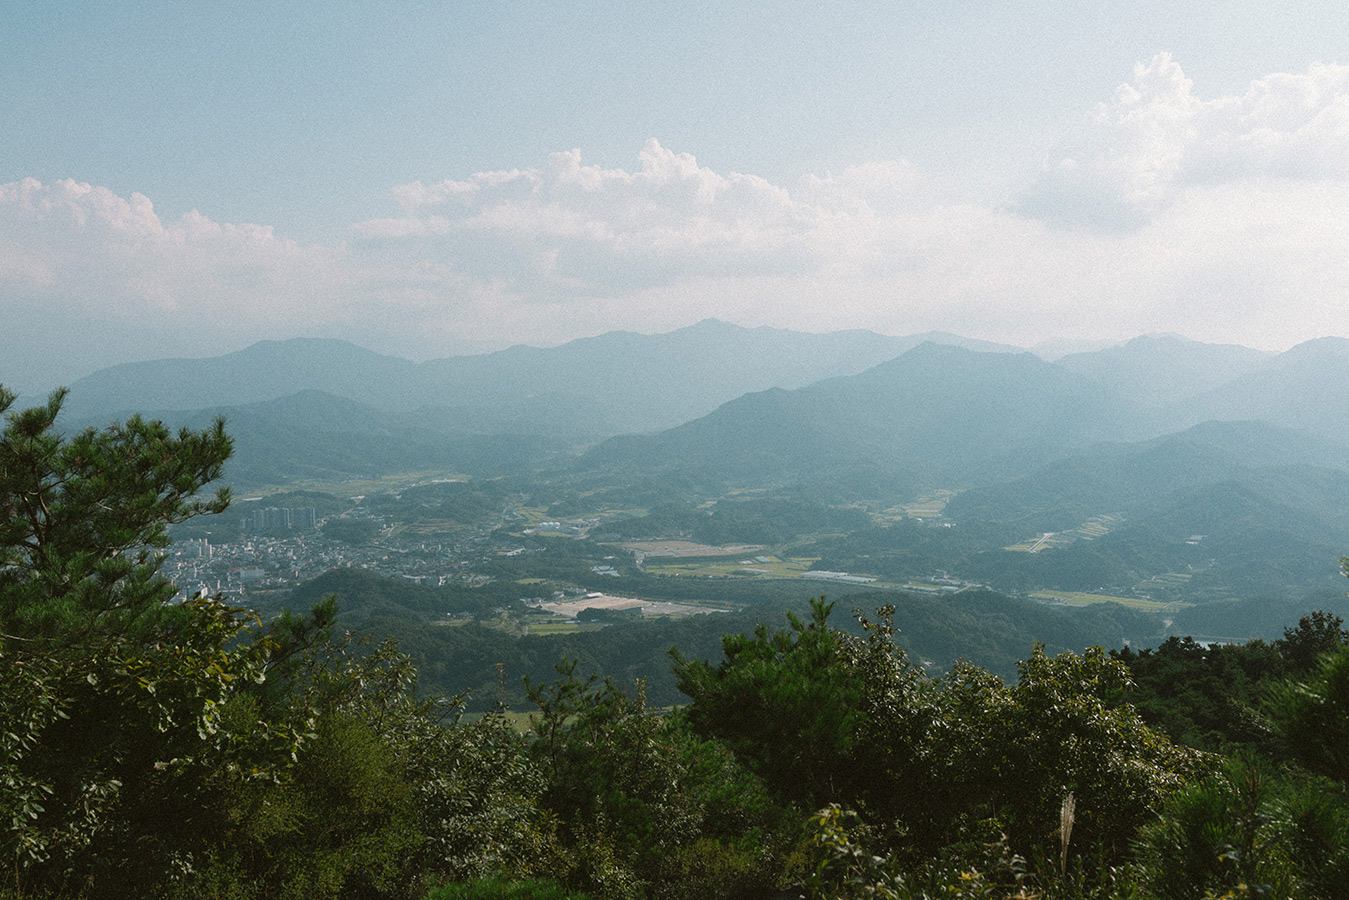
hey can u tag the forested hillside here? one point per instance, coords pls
(190, 749)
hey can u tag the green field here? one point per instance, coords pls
(1167, 580)
(731, 567)
(1096, 526)
(553, 628)
(1072, 598)
(1042, 542)
(924, 506)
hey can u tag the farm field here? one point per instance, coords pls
(757, 566)
(676, 549)
(924, 506)
(1096, 526)
(647, 608)
(1072, 598)
(552, 627)
(1168, 580)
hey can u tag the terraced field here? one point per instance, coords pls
(1096, 526)
(924, 506)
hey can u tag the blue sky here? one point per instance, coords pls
(181, 179)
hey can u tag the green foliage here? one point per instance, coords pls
(501, 889)
(785, 704)
(82, 519)
(612, 767)
(921, 760)
(387, 788)
(1218, 835)
(480, 797)
(1070, 730)
(847, 867)
(1314, 817)
(110, 697)
(647, 808)
(1315, 636)
(1204, 697)
(1311, 717)
(966, 747)
(341, 816)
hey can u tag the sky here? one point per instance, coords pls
(182, 179)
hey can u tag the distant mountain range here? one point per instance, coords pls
(954, 417)
(939, 412)
(1159, 369)
(615, 383)
(1124, 477)
(1222, 468)
(314, 436)
(745, 404)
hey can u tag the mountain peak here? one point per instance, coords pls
(1318, 347)
(1160, 337)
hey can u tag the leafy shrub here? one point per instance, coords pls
(502, 889)
(1218, 834)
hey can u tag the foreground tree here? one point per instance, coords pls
(106, 686)
(648, 809)
(785, 702)
(82, 521)
(934, 765)
(155, 748)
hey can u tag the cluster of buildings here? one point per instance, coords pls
(269, 561)
(273, 520)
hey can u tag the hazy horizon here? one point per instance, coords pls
(429, 181)
(1049, 349)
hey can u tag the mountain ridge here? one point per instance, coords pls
(650, 381)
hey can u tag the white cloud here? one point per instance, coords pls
(89, 278)
(1155, 140)
(89, 247)
(591, 229)
(1224, 219)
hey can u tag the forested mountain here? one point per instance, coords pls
(658, 381)
(1123, 478)
(969, 409)
(1303, 387)
(264, 371)
(935, 416)
(1157, 369)
(747, 404)
(316, 435)
(760, 405)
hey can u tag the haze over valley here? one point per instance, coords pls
(674, 451)
(1193, 488)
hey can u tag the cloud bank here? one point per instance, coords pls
(589, 230)
(1154, 140)
(1221, 218)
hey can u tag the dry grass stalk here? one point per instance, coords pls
(1066, 814)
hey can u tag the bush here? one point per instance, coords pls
(1219, 835)
(501, 889)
